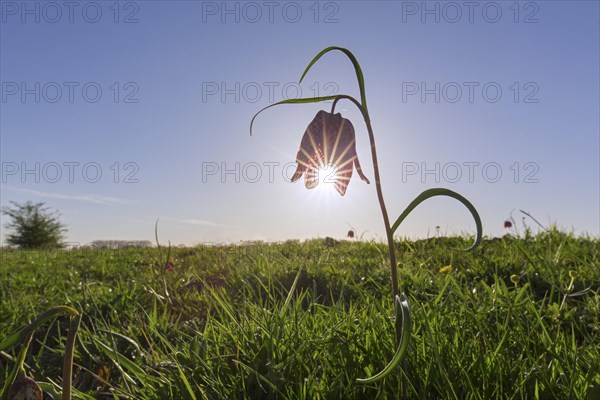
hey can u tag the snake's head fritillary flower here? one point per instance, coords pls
(328, 141)
(25, 388)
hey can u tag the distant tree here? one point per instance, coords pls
(34, 226)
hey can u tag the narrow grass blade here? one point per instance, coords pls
(261, 377)
(535, 220)
(442, 192)
(186, 383)
(359, 74)
(290, 293)
(404, 323)
(122, 363)
(157, 242)
(52, 388)
(126, 338)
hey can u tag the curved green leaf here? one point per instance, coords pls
(359, 74)
(18, 367)
(292, 101)
(404, 323)
(45, 316)
(442, 192)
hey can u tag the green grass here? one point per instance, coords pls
(223, 323)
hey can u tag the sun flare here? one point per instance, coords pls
(327, 176)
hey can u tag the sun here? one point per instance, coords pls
(327, 177)
(324, 193)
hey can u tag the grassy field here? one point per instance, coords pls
(217, 325)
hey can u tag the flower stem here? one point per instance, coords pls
(386, 220)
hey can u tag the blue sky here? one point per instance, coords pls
(119, 115)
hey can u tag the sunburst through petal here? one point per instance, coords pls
(328, 151)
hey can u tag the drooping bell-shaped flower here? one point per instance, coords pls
(329, 141)
(25, 388)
